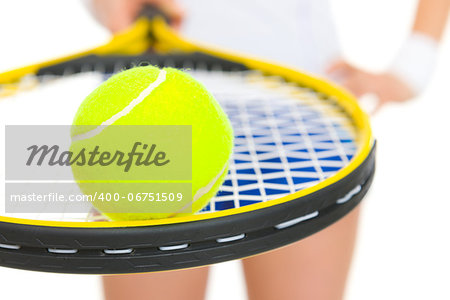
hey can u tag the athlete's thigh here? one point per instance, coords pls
(313, 268)
(187, 284)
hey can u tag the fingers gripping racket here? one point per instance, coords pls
(303, 158)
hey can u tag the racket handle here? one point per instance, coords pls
(150, 12)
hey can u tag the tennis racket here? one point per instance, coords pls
(304, 157)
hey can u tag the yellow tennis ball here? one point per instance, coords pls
(152, 96)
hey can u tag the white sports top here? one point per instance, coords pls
(300, 33)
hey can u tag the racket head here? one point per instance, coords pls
(221, 231)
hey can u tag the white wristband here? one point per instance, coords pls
(415, 62)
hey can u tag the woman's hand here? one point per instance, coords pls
(386, 86)
(117, 15)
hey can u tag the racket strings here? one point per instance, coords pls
(287, 137)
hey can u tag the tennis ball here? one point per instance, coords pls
(152, 96)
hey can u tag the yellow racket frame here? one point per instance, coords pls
(158, 35)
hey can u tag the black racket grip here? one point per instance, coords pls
(150, 12)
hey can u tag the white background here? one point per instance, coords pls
(404, 244)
